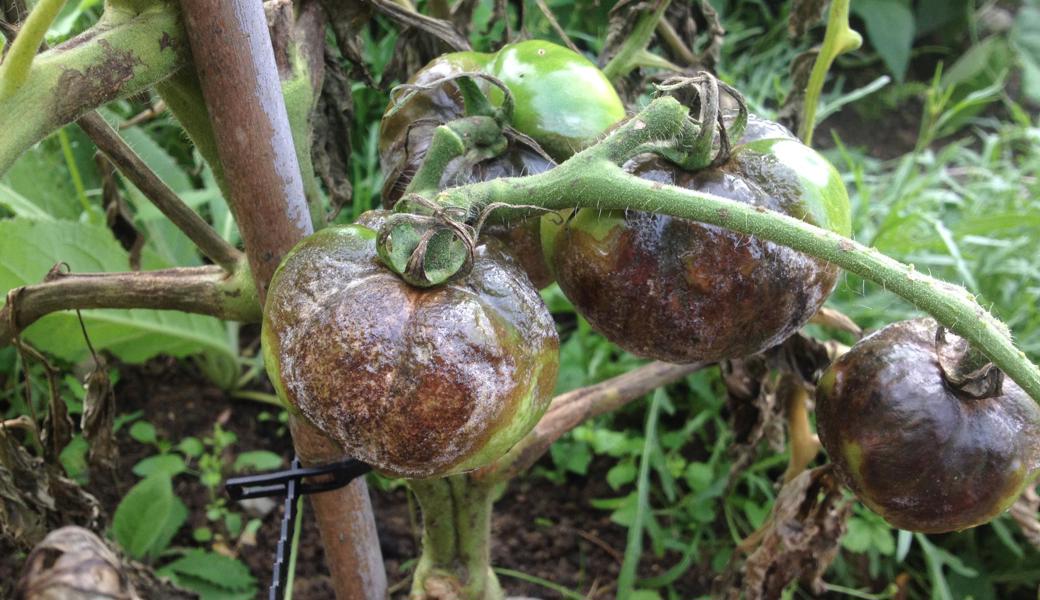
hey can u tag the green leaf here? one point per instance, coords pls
(74, 458)
(857, 538)
(143, 432)
(148, 517)
(257, 460)
(571, 456)
(214, 569)
(890, 28)
(41, 176)
(698, 476)
(31, 248)
(1025, 35)
(205, 589)
(169, 464)
(20, 206)
(621, 474)
(191, 447)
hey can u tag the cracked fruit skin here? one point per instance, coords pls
(915, 449)
(416, 382)
(549, 107)
(676, 290)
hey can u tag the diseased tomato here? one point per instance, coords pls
(416, 382)
(925, 450)
(562, 101)
(681, 291)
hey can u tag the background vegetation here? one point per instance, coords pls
(933, 123)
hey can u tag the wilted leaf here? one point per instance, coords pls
(99, 408)
(804, 14)
(35, 496)
(798, 541)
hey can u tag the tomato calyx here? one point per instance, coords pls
(706, 141)
(966, 370)
(427, 250)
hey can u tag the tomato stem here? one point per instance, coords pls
(456, 551)
(839, 39)
(130, 54)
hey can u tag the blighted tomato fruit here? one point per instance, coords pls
(923, 443)
(416, 382)
(681, 291)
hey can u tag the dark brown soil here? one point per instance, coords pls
(541, 529)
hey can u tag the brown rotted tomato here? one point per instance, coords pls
(416, 382)
(680, 291)
(404, 138)
(917, 446)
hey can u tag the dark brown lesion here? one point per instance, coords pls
(911, 448)
(76, 91)
(681, 291)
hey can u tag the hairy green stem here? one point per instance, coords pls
(117, 57)
(593, 179)
(630, 54)
(18, 62)
(445, 146)
(456, 552)
(839, 39)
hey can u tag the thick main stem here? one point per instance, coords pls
(593, 179)
(236, 66)
(456, 552)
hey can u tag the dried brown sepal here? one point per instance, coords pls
(798, 541)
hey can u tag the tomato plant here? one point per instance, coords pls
(680, 219)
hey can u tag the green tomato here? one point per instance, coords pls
(563, 101)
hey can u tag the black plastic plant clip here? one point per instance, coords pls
(290, 484)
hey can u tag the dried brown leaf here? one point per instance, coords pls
(805, 14)
(793, 110)
(798, 541)
(330, 149)
(99, 408)
(35, 497)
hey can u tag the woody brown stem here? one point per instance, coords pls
(205, 290)
(239, 78)
(109, 142)
(569, 410)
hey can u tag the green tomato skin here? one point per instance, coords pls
(563, 101)
(418, 383)
(680, 291)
